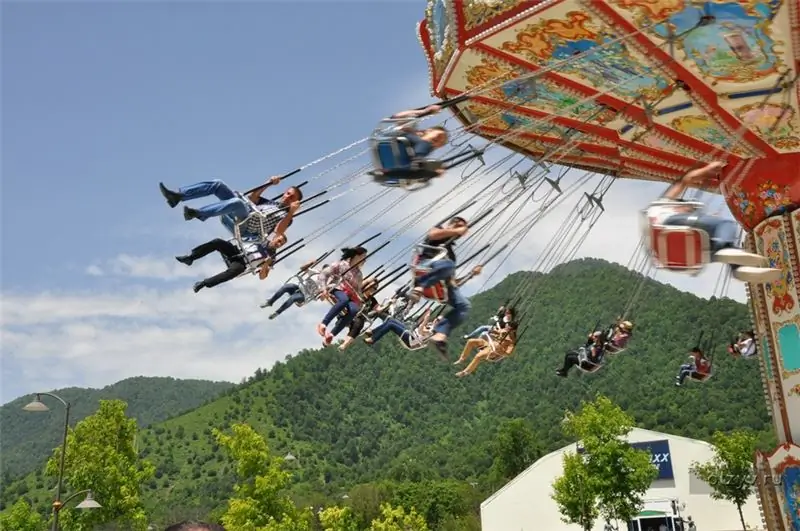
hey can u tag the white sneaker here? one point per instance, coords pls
(757, 275)
(740, 257)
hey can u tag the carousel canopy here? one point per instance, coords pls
(641, 89)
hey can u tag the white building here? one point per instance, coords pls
(525, 503)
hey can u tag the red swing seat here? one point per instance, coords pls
(435, 292)
(677, 248)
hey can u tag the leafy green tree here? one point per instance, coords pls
(397, 519)
(575, 493)
(514, 450)
(258, 503)
(21, 517)
(338, 519)
(730, 471)
(619, 473)
(101, 456)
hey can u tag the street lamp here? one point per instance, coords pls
(87, 503)
(38, 406)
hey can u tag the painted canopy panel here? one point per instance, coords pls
(639, 101)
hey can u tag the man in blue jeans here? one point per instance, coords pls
(722, 233)
(443, 270)
(277, 215)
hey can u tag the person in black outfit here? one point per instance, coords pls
(236, 259)
(595, 346)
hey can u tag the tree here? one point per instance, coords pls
(258, 503)
(21, 517)
(101, 456)
(338, 519)
(397, 519)
(620, 475)
(575, 494)
(514, 450)
(730, 471)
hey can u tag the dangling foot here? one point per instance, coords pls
(461, 374)
(740, 257)
(173, 198)
(757, 275)
(273, 315)
(190, 213)
(198, 286)
(321, 329)
(186, 260)
(459, 361)
(266, 305)
(439, 342)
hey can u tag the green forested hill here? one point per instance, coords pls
(387, 413)
(26, 439)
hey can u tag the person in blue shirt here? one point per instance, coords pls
(422, 142)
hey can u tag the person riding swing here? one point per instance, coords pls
(589, 358)
(499, 344)
(401, 152)
(672, 215)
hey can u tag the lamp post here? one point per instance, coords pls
(87, 503)
(38, 406)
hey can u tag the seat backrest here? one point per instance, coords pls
(438, 253)
(393, 154)
(680, 248)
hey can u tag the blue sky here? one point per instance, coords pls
(101, 101)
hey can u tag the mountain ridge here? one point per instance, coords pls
(388, 414)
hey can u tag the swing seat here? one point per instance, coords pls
(585, 365)
(680, 249)
(256, 227)
(700, 376)
(421, 266)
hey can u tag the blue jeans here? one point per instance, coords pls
(722, 232)
(478, 332)
(343, 302)
(229, 203)
(391, 325)
(295, 297)
(444, 270)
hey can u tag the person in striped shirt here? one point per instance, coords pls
(234, 207)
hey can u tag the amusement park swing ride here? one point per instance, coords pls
(617, 89)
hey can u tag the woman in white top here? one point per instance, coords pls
(745, 346)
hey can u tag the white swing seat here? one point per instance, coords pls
(257, 227)
(586, 366)
(494, 356)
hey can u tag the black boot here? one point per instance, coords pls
(173, 198)
(199, 285)
(187, 260)
(190, 213)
